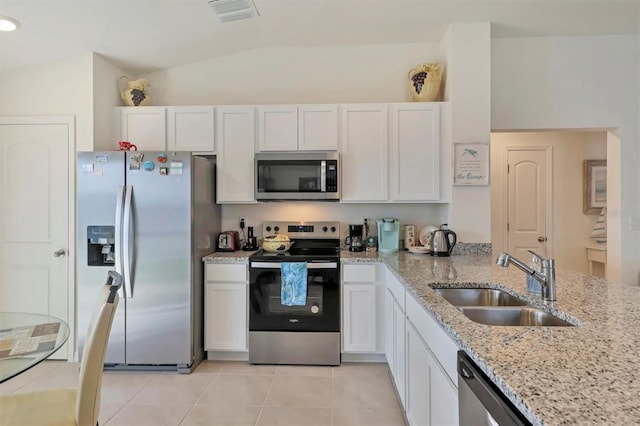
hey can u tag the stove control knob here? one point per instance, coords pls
(277, 228)
(315, 309)
(268, 228)
(325, 229)
(333, 229)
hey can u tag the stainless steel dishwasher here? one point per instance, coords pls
(480, 401)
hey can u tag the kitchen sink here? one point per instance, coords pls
(497, 307)
(479, 297)
(512, 316)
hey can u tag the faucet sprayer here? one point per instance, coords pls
(546, 277)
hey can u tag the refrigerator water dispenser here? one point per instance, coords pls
(101, 245)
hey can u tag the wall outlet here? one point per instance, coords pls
(242, 222)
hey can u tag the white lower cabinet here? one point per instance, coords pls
(432, 392)
(399, 343)
(443, 395)
(421, 358)
(417, 405)
(362, 309)
(431, 397)
(359, 319)
(395, 338)
(225, 307)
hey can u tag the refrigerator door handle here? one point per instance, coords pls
(118, 236)
(126, 244)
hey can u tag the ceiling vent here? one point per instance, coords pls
(233, 10)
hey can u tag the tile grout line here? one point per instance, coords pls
(204, 391)
(273, 377)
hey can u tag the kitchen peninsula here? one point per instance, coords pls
(585, 374)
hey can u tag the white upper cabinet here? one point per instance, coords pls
(235, 133)
(363, 148)
(191, 128)
(277, 128)
(415, 152)
(297, 128)
(318, 127)
(188, 128)
(144, 127)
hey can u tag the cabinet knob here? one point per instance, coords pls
(59, 253)
(542, 239)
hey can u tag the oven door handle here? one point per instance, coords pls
(276, 265)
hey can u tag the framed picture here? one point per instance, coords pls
(471, 163)
(595, 186)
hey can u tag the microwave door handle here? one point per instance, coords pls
(323, 176)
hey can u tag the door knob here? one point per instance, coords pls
(59, 253)
(542, 239)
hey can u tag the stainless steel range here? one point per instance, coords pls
(300, 330)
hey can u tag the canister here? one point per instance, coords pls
(409, 236)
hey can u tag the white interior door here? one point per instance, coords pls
(34, 218)
(528, 202)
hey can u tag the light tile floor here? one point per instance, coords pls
(234, 393)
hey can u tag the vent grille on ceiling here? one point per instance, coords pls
(233, 10)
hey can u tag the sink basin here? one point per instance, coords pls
(479, 297)
(512, 316)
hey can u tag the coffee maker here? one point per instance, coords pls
(355, 240)
(388, 235)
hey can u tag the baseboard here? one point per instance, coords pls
(244, 356)
(351, 357)
(227, 356)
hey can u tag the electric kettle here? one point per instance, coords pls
(442, 241)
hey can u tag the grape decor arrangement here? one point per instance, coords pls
(424, 82)
(134, 94)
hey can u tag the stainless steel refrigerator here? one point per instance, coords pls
(151, 216)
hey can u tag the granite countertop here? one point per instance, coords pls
(228, 257)
(555, 375)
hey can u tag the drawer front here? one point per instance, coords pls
(359, 273)
(226, 272)
(598, 256)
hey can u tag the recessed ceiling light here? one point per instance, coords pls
(8, 24)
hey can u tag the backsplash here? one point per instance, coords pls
(472, 248)
(419, 215)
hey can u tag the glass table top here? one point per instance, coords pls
(26, 339)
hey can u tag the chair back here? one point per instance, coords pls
(92, 363)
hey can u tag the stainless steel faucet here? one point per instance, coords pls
(546, 277)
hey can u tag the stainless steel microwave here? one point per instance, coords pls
(297, 176)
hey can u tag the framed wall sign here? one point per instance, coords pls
(594, 198)
(471, 163)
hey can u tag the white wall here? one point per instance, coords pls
(468, 87)
(309, 74)
(106, 95)
(60, 88)
(579, 83)
(571, 227)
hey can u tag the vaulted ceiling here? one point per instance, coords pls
(148, 35)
